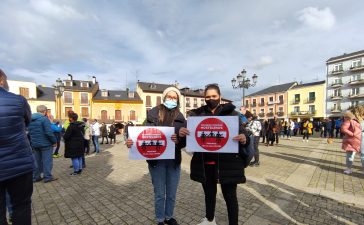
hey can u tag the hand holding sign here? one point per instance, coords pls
(241, 138)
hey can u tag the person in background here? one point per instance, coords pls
(57, 131)
(242, 115)
(254, 126)
(74, 143)
(290, 129)
(338, 124)
(42, 140)
(278, 129)
(86, 142)
(16, 159)
(271, 132)
(9, 207)
(358, 112)
(103, 132)
(322, 128)
(165, 173)
(352, 139)
(264, 129)
(95, 131)
(307, 130)
(112, 133)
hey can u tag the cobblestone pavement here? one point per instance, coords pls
(297, 183)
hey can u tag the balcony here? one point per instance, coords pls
(280, 113)
(336, 109)
(337, 84)
(310, 100)
(195, 106)
(271, 102)
(307, 113)
(262, 104)
(85, 102)
(294, 113)
(356, 68)
(253, 105)
(357, 95)
(280, 102)
(188, 105)
(261, 114)
(336, 97)
(295, 102)
(270, 114)
(336, 72)
(355, 82)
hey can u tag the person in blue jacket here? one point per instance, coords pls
(57, 131)
(42, 140)
(16, 160)
(338, 124)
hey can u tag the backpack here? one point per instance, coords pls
(248, 151)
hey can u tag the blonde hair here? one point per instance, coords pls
(358, 112)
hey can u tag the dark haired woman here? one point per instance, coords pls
(74, 143)
(166, 173)
(212, 168)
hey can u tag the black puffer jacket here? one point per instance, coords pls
(179, 121)
(229, 166)
(74, 140)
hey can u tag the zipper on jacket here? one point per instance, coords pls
(218, 168)
(203, 166)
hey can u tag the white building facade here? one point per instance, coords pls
(345, 83)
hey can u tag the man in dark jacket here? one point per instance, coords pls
(16, 160)
(42, 139)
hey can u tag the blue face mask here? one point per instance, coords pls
(170, 104)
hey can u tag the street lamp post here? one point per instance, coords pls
(58, 91)
(242, 82)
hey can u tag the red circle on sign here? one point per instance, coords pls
(151, 143)
(212, 134)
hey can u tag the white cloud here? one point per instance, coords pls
(263, 62)
(322, 19)
(50, 9)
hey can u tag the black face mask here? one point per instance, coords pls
(212, 103)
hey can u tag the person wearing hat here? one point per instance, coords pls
(165, 173)
(352, 139)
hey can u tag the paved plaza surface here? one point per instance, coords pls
(296, 183)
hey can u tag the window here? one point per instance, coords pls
(338, 67)
(68, 98)
(132, 115)
(311, 96)
(148, 101)
(69, 83)
(271, 110)
(337, 92)
(254, 102)
(84, 98)
(297, 98)
(202, 102)
(104, 93)
(254, 112)
(338, 81)
(84, 84)
(262, 102)
(187, 102)
(356, 77)
(131, 94)
(84, 112)
(24, 92)
(311, 108)
(261, 110)
(104, 115)
(195, 102)
(281, 99)
(271, 99)
(280, 109)
(296, 109)
(355, 91)
(356, 63)
(246, 102)
(354, 103)
(159, 100)
(66, 110)
(118, 115)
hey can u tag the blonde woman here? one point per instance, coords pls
(358, 112)
(352, 139)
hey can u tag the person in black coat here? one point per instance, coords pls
(74, 143)
(224, 168)
(166, 173)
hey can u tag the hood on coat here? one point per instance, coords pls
(36, 116)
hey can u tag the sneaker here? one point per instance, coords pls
(251, 163)
(257, 164)
(206, 222)
(79, 172)
(74, 174)
(53, 179)
(55, 156)
(171, 221)
(38, 180)
(348, 171)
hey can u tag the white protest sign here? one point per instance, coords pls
(213, 134)
(151, 143)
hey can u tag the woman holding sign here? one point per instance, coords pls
(166, 173)
(212, 168)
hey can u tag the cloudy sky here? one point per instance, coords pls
(194, 42)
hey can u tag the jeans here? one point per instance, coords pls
(20, 190)
(44, 161)
(165, 179)
(87, 146)
(289, 133)
(306, 135)
(350, 159)
(256, 148)
(58, 137)
(77, 164)
(9, 207)
(228, 191)
(95, 141)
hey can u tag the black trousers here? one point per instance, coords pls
(87, 146)
(20, 190)
(229, 192)
(107, 140)
(256, 148)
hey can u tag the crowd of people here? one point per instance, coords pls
(27, 150)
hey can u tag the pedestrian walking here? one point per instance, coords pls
(352, 139)
(95, 131)
(290, 129)
(112, 133)
(358, 112)
(254, 126)
(16, 160)
(86, 142)
(165, 173)
(264, 129)
(338, 123)
(209, 169)
(74, 143)
(57, 131)
(103, 131)
(307, 130)
(278, 129)
(271, 132)
(42, 140)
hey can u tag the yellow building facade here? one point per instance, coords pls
(307, 101)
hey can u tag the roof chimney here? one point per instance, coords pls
(70, 77)
(93, 79)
